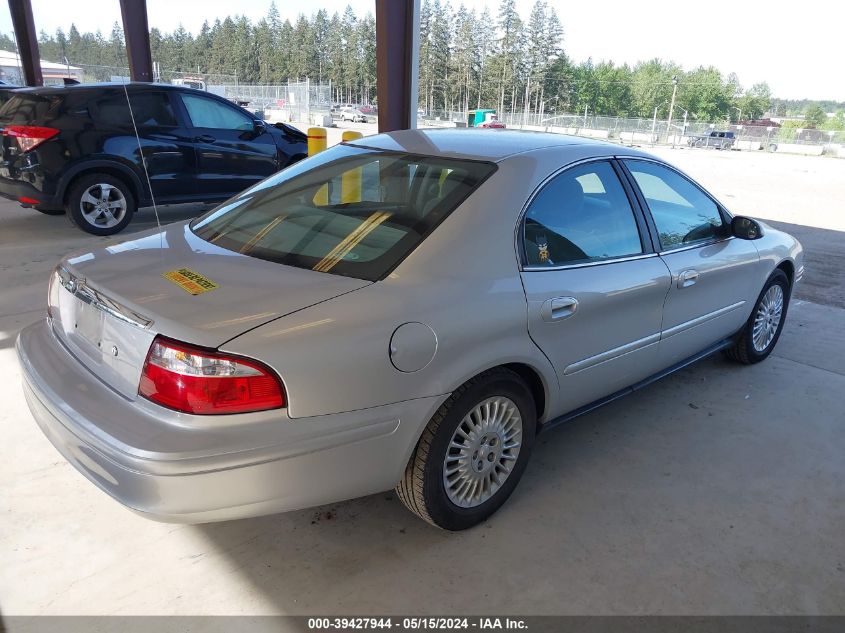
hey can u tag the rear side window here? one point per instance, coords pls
(209, 113)
(347, 211)
(582, 215)
(682, 213)
(5, 95)
(23, 109)
(150, 109)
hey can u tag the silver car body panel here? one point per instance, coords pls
(610, 341)
(712, 305)
(189, 469)
(249, 291)
(357, 403)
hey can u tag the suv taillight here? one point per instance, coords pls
(194, 380)
(29, 137)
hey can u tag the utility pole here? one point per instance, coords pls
(527, 101)
(653, 125)
(672, 105)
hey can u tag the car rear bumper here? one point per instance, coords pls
(14, 189)
(168, 472)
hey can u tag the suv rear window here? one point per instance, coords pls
(348, 211)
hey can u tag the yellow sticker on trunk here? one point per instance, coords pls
(190, 281)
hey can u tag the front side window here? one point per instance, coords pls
(582, 215)
(347, 211)
(209, 113)
(683, 213)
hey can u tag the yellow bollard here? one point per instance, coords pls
(316, 144)
(316, 140)
(350, 181)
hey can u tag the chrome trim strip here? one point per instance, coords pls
(587, 264)
(689, 247)
(85, 293)
(611, 354)
(686, 325)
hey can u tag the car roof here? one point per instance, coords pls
(480, 144)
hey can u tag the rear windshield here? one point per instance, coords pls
(348, 211)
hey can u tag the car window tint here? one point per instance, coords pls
(581, 215)
(346, 211)
(682, 212)
(150, 109)
(209, 113)
(24, 108)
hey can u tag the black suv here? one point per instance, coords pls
(74, 149)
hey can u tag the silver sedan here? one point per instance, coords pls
(408, 310)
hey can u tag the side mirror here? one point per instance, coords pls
(746, 228)
(259, 127)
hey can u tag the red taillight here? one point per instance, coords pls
(194, 380)
(29, 136)
(27, 200)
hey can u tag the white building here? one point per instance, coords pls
(11, 70)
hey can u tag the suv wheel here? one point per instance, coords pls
(472, 453)
(100, 204)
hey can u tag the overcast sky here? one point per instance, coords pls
(798, 48)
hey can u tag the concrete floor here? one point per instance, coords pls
(719, 490)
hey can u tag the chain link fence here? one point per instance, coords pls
(312, 103)
(97, 73)
(301, 101)
(654, 131)
(298, 101)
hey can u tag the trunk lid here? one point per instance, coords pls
(108, 304)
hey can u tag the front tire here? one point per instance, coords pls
(472, 453)
(762, 330)
(100, 204)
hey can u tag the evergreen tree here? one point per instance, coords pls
(467, 60)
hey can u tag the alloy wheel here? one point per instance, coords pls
(767, 319)
(482, 452)
(103, 205)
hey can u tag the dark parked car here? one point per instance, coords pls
(74, 149)
(719, 140)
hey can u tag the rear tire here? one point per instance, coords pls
(100, 204)
(484, 428)
(762, 330)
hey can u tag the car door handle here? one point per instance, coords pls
(687, 278)
(558, 308)
(204, 138)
